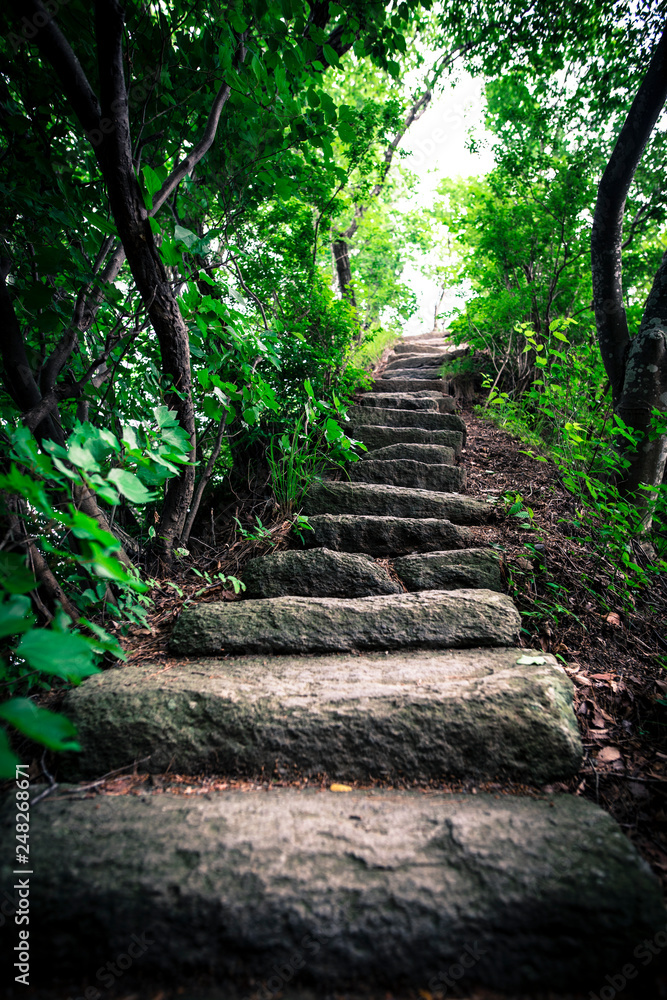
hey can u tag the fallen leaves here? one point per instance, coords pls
(608, 755)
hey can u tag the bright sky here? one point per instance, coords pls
(437, 146)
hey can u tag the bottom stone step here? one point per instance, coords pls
(384, 888)
(479, 713)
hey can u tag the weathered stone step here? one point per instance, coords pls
(431, 454)
(426, 338)
(318, 572)
(394, 501)
(449, 570)
(379, 437)
(410, 473)
(476, 713)
(401, 400)
(422, 400)
(412, 373)
(403, 361)
(406, 347)
(384, 536)
(406, 418)
(369, 887)
(407, 384)
(431, 619)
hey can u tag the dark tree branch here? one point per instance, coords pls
(55, 48)
(607, 234)
(18, 375)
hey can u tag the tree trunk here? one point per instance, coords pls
(107, 126)
(637, 368)
(341, 253)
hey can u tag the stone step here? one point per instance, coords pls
(382, 888)
(435, 337)
(422, 374)
(450, 570)
(394, 501)
(406, 418)
(431, 619)
(407, 347)
(379, 437)
(417, 361)
(401, 400)
(422, 400)
(318, 572)
(477, 714)
(431, 454)
(407, 384)
(409, 473)
(384, 536)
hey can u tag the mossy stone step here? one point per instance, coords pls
(389, 417)
(432, 619)
(410, 473)
(384, 535)
(476, 713)
(318, 572)
(375, 437)
(394, 501)
(450, 570)
(431, 454)
(382, 888)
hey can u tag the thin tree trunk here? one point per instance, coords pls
(637, 368)
(203, 483)
(341, 252)
(341, 249)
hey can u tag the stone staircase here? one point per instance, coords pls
(400, 671)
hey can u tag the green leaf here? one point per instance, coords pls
(8, 759)
(62, 654)
(346, 132)
(333, 430)
(238, 23)
(130, 486)
(531, 661)
(151, 181)
(15, 577)
(15, 616)
(39, 724)
(330, 55)
(185, 235)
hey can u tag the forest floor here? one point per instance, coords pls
(613, 658)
